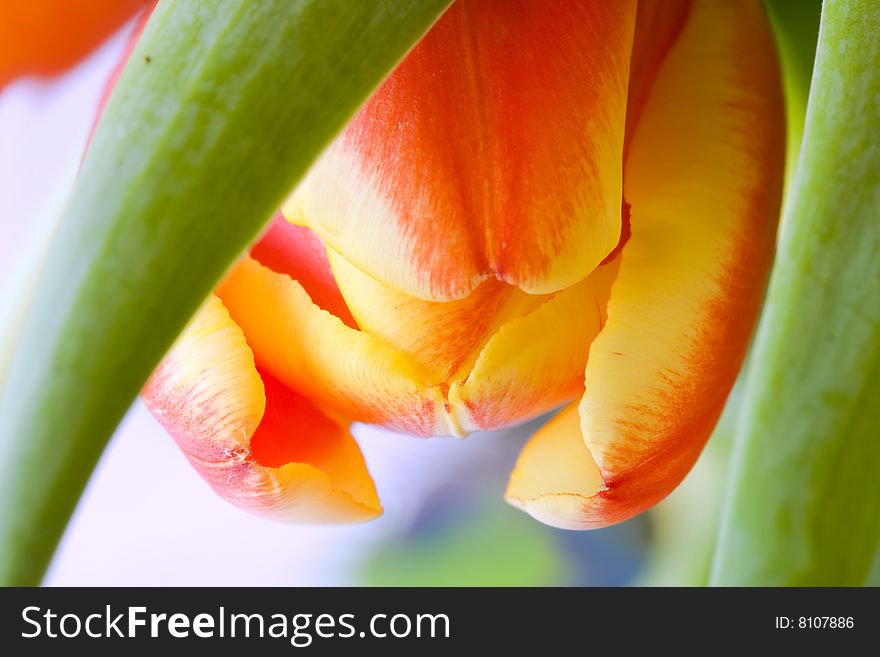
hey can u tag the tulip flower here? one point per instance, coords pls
(547, 204)
(45, 37)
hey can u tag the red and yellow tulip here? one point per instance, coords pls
(547, 204)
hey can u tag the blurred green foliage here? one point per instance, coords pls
(496, 546)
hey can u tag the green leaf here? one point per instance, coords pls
(804, 504)
(796, 27)
(221, 109)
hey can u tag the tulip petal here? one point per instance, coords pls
(534, 362)
(345, 371)
(703, 178)
(444, 336)
(493, 151)
(44, 37)
(658, 25)
(556, 479)
(313, 462)
(257, 443)
(299, 253)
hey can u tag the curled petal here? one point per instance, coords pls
(258, 444)
(528, 368)
(344, 370)
(358, 375)
(444, 336)
(493, 151)
(316, 465)
(299, 253)
(703, 178)
(556, 479)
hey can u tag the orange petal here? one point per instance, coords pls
(356, 375)
(535, 362)
(344, 370)
(703, 178)
(299, 253)
(658, 25)
(494, 150)
(258, 444)
(556, 479)
(45, 37)
(444, 336)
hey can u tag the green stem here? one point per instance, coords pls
(222, 108)
(803, 507)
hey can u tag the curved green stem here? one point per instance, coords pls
(222, 107)
(804, 503)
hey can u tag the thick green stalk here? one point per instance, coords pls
(221, 109)
(804, 503)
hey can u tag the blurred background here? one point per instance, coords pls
(148, 519)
